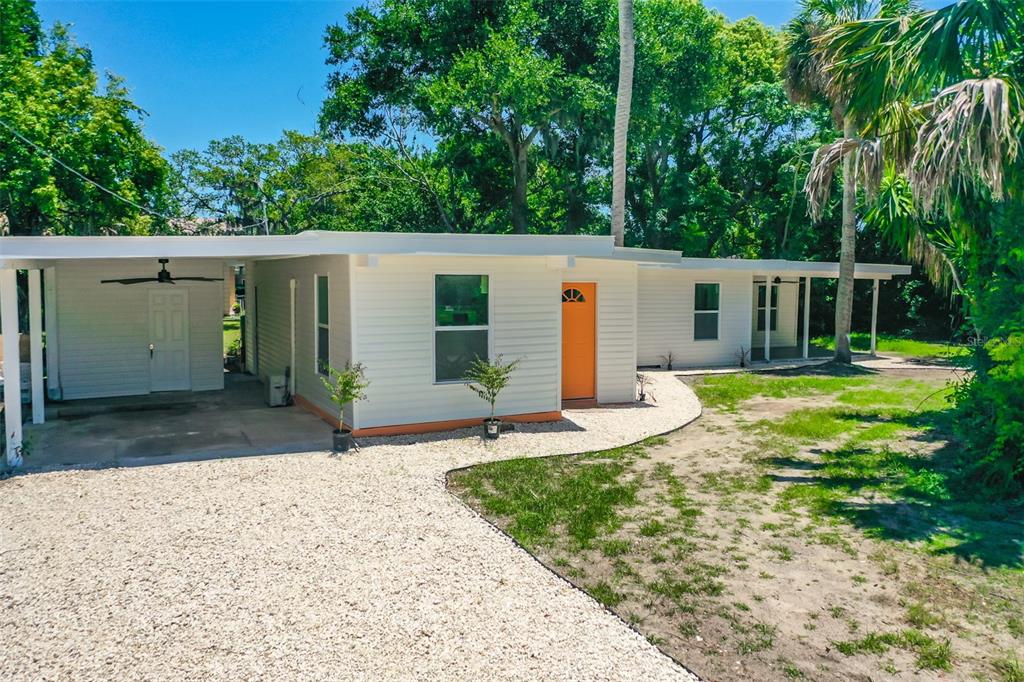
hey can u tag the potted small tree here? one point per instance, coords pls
(487, 379)
(344, 386)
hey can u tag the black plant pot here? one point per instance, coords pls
(342, 440)
(492, 429)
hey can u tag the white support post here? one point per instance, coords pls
(12, 364)
(874, 316)
(35, 328)
(807, 316)
(291, 375)
(52, 335)
(768, 317)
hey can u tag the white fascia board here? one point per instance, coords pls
(80, 248)
(658, 256)
(779, 267)
(303, 244)
(434, 244)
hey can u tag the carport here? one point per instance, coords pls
(92, 309)
(169, 427)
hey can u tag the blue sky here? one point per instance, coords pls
(206, 70)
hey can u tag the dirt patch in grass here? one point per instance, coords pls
(805, 527)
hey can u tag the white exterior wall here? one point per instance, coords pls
(665, 317)
(103, 329)
(616, 324)
(785, 335)
(274, 320)
(394, 337)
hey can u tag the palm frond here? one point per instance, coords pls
(973, 132)
(868, 169)
(803, 72)
(896, 125)
(895, 216)
(877, 61)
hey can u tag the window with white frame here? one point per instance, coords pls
(760, 306)
(705, 312)
(461, 324)
(323, 330)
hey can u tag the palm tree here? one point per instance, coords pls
(942, 91)
(956, 74)
(622, 102)
(808, 81)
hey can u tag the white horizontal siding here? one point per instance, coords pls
(665, 310)
(103, 329)
(616, 324)
(785, 334)
(273, 317)
(394, 332)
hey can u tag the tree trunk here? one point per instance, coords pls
(622, 103)
(520, 176)
(847, 253)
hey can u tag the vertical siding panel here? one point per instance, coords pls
(665, 312)
(394, 326)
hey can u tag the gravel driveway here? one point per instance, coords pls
(306, 567)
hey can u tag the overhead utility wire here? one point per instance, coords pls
(97, 185)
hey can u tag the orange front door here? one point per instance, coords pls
(579, 340)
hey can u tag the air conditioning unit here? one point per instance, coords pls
(277, 389)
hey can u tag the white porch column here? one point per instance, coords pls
(12, 364)
(874, 315)
(52, 337)
(35, 327)
(291, 375)
(768, 317)
(807, 316)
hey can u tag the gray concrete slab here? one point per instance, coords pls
(169, 428)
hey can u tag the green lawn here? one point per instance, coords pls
(687, 536)
(232, 332)
(861, 341)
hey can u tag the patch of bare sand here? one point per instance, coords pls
(750, 589)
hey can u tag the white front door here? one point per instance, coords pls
(168, 340)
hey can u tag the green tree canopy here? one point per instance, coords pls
(51, 94)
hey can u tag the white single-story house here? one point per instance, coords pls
(126, 316)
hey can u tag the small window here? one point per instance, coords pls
(705, 312)
(461, 325)
(760, 307)
(323, 330)
(573, 296)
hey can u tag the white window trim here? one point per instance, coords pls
(468, 328)
(775, 308)
(717, 311)
(317, 324)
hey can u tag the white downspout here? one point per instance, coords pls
(768, 317)
(807, 316)
(291, 374)
(50, 324)
(35, 327)
(874, 316)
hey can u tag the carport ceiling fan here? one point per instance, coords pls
(162, 277)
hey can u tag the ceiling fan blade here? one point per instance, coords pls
(129, 280)
(197, 279)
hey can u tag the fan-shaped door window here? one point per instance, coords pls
(573, 295)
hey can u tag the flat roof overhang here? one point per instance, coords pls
(787, 267)
(33, 252)
(28, 249)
